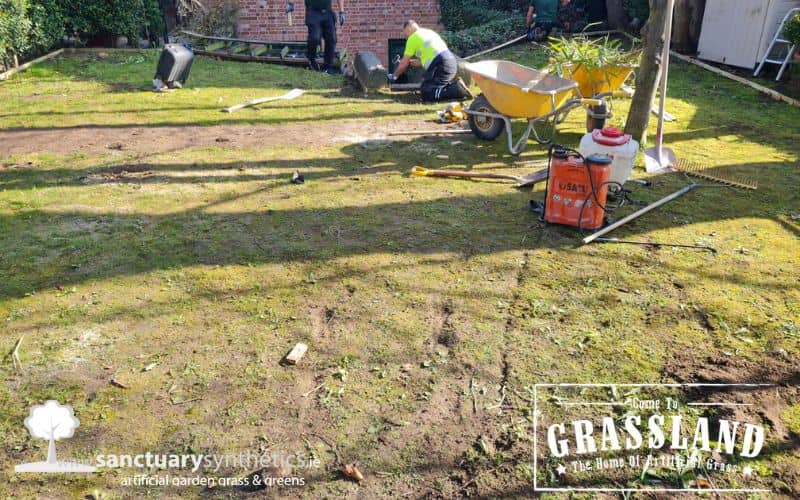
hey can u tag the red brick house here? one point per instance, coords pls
(369, 24)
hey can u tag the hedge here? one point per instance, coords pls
(30, 27)
(485, 35)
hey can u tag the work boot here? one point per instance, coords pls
(463, 89)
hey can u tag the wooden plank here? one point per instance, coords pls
(296, 354)
(405, 86)
(239, 48)
(772, 93)
(12, 71)
(244, 40)
(212, 47)
(289, 61)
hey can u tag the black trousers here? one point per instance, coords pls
(321, 25)
(438, 81)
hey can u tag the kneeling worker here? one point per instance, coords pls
(439, 81)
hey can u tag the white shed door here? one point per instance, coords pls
(732, 31)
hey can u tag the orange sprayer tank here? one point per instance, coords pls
(572, 198)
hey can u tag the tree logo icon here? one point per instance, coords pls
(52, 421)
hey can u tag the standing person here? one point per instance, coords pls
(321, 23)
(546, 12)
(429, 51)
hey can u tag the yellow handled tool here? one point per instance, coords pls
(528, 180)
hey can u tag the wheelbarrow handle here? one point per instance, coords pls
(591, 102)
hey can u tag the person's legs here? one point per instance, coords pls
(437, 82)
(313, 22)
(440, 82)
(429, 87)
(329, 35)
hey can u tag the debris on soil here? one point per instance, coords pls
(149, 367)
(297, 178)
(117, 383)
(352, 472)
(423, 148)
(14, 354)
(312, 391)
(116, 145)
(125, 173)
(296, 354)
(222, 139)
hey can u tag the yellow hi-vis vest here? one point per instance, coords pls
(425, 44)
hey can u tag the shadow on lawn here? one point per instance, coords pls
(47, 249)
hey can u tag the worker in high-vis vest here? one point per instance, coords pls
(426, 48)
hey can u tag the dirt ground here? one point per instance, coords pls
(174, 138)
(159, 295)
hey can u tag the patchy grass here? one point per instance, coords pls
(422, 300)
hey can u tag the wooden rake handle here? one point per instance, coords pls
(424, 172)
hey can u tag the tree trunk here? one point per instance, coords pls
(696, 22)
(616, 14)
(680, 26)
(51, 451)
(649, 71)
(686, 25)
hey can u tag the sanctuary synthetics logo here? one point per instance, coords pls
(645, 437)
(52, 421)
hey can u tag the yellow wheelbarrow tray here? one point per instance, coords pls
(510, 90)
(598, 82)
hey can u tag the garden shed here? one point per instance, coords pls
(738, 32)
(369, 25)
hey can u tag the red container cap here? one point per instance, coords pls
(610, 136)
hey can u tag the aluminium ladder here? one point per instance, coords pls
(777, 41)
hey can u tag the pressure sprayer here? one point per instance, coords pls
(577, 188)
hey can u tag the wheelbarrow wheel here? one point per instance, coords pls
(596, 117)
(484, 127)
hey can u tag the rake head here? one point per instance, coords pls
(703, 172)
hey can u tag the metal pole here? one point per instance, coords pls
(639, 213)
(664, 75)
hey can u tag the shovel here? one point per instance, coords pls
(659, 158)
(528, 180)
(287, 96)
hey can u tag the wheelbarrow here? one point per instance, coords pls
(510, 90)
(598, 83)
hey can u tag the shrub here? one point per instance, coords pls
(637, 9)
(47, 24)
(459, 15)
(599, 53)
(791, 30)
(221, 19)
(485, 35)
(14, 29)
(132, 18)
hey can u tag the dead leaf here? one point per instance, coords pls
(149, 367)
(352, 472)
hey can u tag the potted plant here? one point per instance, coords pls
(791, 32)
(599, 66)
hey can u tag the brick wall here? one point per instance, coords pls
(368, 26)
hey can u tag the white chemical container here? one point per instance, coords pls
(612, 142)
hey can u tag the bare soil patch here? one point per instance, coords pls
(93, 139)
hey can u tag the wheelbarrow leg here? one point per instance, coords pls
(516, 148)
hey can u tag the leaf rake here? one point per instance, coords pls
(702, 171)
